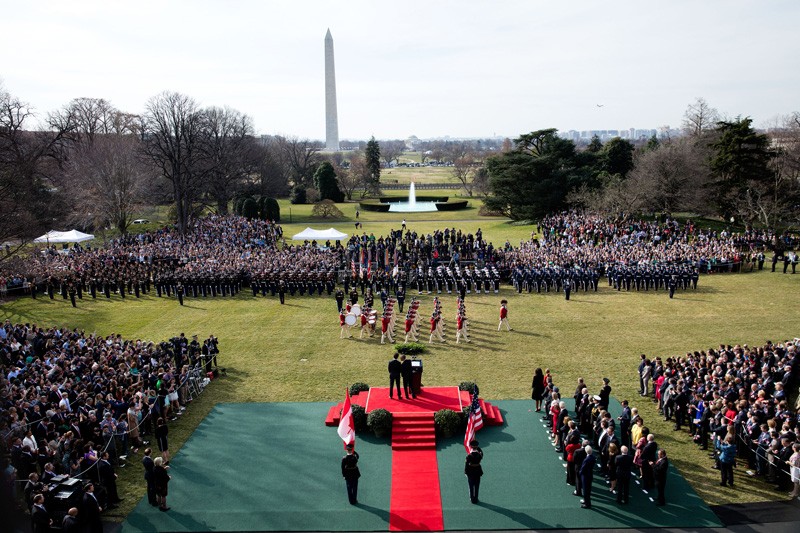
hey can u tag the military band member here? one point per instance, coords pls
(410, 327)
(435, 328)
(503, 315)
(386, 331)
(344, 326)
(461, 330)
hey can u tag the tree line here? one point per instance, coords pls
(720, 167)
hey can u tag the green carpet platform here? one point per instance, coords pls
(271, 467)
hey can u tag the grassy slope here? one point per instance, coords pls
(293, 353)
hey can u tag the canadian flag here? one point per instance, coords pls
(347, 428)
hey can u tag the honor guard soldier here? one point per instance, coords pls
(401, 297)
(282, 291)
(350, 473)
(503, 315)
(179, 292)
(473, 470)
(339, 299)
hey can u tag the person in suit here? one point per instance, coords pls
(577, 459)
(395, 370)
(108, 479)
(473, 470)
(161, 481)
(40, 517)
(91, 510)
(586, 476)
(660, 468)
(70, 522)
(405, 371)
(624, 465)
(625, 424)
(147, 463)
(351, 473)
(649, 459)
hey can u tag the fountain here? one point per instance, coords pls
(411, 206)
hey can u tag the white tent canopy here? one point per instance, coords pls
(64, 236)
(309, 234)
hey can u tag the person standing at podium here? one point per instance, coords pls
(405, 371)
(395, 370)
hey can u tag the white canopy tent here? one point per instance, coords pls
(64, 236)
(329, 234)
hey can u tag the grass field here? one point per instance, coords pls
(293, 352)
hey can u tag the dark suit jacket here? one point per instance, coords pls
(395, 368)
(649, 452)
(624, 465)
(587, 468)
(148, 464)
(660, 470)
(90, 512)
(405, 368)
(40, 520)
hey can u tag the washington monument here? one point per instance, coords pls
(331, 117)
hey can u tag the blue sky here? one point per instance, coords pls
(460, 68)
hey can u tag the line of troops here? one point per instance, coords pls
(554, 278)
(655, 277)
(304, 282)
(443, 278)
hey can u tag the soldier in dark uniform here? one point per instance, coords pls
(350, 473)
(672, 284)
(179, 292)
(567, 287)
(353, 296)
(473, 470)
(401, 297)
(282, 291)
(72, 293)
(339, 299)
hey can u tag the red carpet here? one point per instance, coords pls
(416, 503)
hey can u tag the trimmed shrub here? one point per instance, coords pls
(272, 210)
(250, 208)
(448, 422)
(357, 387)
(410, 348)
(298, 195)
(486, 212)
(373, 205)
(359, 418)
(380, 422)
(326, 209)
(467, 386)
(420, 198)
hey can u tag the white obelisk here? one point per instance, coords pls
(331, 117)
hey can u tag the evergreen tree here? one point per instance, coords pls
(326, 184)
(373, 162)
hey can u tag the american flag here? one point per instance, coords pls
(475, 420)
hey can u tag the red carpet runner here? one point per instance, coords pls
(416, 503)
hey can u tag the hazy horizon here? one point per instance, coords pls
(463, 69)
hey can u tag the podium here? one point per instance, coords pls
(416, 375)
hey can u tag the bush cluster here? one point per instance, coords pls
(380, 422)
(448, 422)
(410, 348)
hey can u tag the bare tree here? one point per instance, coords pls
(230, 155)
(31, 163)
(173, 132)
(464, 170)
(357, 176)
(301, 157)
(271, 169)
(109, 181)
(673, 177)
(700, 117)
(392, 150)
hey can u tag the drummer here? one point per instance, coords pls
(386, 330)
(411, 327)
(461, 329)
(344, 325)
(435, 328)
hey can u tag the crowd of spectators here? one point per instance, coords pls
(78, 404)
(219, 255)
(735, 402)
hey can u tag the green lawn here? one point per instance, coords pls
(293, 353)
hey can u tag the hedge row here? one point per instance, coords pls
(455, 205)
(374, 205)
